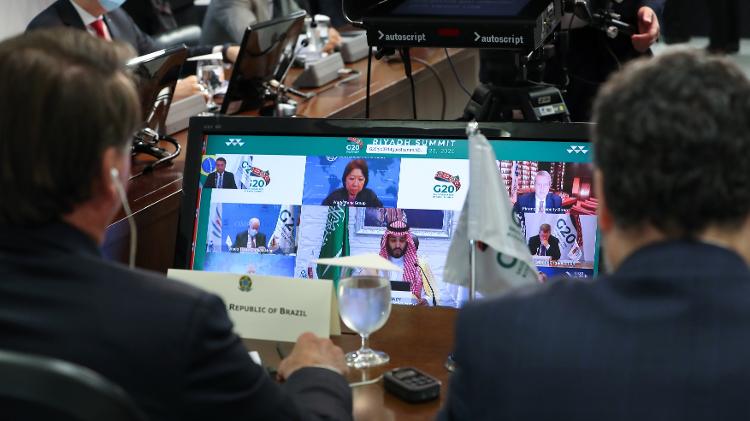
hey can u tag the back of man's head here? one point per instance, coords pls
(672, 143)
(65, 100)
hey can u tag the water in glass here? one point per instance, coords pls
(364, 305)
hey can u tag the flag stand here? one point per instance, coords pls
(450, 363)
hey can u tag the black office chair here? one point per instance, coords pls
(41, 388)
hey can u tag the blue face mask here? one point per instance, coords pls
(111, 5)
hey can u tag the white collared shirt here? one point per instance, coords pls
(87, 18)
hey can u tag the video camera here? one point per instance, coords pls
(516, 25)
(526, 29)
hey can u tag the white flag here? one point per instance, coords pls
(215, 228)
(244, 171)
(283, 236)
(503, 260)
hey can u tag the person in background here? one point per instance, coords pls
(170, 346)
(541, 200)
(724, 36)
(590, 56)
(226, 20)
(545, 244)
(398, 246)
(665, 335)
(355, 191)
(221, 178)
(105, 19)
(252, 238)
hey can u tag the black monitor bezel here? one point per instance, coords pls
(171, 57)
(234, 81)
(302, 127)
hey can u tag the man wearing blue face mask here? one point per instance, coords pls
(106, 20)
(252, 238)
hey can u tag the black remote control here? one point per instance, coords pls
(411, 385)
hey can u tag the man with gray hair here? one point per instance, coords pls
(170, 346)
(252, 238)
(666, 334)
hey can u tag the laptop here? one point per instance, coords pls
(285, 174)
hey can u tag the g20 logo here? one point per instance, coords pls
(444, 188)
(256, 183)
(353, 144)
(566, 231)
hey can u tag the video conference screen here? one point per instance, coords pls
(267, 204)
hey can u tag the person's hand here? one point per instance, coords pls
(232, 52)
(648, 29)
(334, 40)
(187, 87)
(545, 243)
(311, 350)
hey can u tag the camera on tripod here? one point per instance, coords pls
(526, 32)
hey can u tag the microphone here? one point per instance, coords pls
(434, 300)
(115, 175)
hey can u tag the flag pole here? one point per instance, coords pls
(472, 128)
(473, 271)
(450, 364)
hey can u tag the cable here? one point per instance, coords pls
(150, 167)
(366, 382)
(455, 73)
(440, 83)
(406, 58)
(369, 75)
(128, 215)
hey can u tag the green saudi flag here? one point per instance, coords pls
(335, 242)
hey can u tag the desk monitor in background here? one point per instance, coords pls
(272, 217)
(263, 56)
(156, 77)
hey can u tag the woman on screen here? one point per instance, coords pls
(355, 191)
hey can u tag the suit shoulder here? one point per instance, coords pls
(149, 284)
(47, 18)
(531, 298)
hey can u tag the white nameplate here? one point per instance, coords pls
(270, 307)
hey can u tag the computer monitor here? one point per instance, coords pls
(280, 175)
(265, 54)
(156, 77)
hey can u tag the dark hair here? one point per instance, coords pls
(221, 159)
(672, 140)
(76, 102)
(545, 228)
(353, 164)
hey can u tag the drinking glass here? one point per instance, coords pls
(210, 75)
(364, 305)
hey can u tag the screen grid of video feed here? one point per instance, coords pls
(273, 205)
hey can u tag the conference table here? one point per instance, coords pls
(420, 337)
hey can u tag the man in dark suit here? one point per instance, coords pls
(220, 179)
(168, 345)
(252, 238)
(541, 200)
(106, 20)
(666, 335)
(545, 244)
